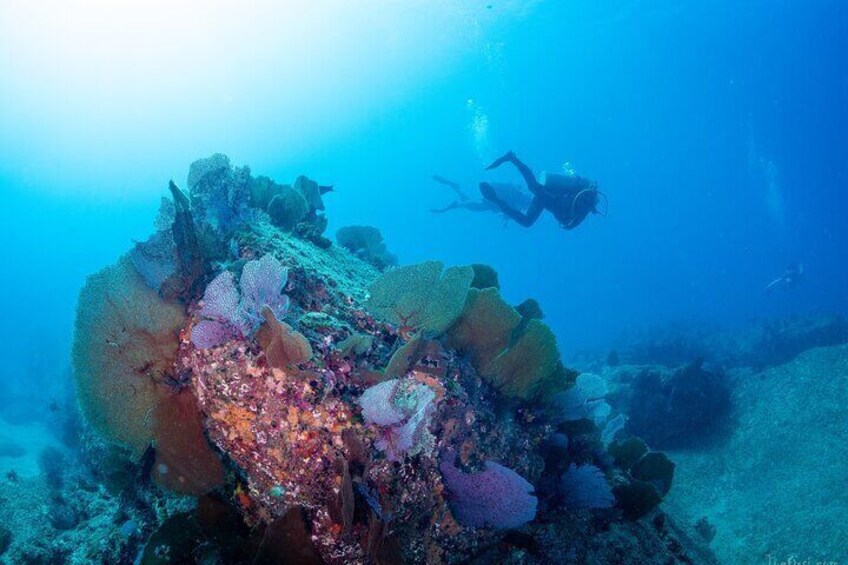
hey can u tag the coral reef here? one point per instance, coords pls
(759, 344)
(402, 417)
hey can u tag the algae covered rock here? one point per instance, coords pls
(125, 335)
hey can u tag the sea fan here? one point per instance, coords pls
(262, 283)
(585, 488)
(402, 409)
(227, 313)
(584, 400)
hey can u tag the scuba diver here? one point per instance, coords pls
(789, 279)
(570, 198)
(514, 195)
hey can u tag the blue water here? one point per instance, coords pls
(717, 130)
(678, 112)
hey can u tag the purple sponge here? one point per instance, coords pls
(497, 496)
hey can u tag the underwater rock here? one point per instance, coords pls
(62, 516)
(366, 242)
(125, 335)
(366, 436)
(788, 446)
(689, 407)
(760, 344)
(52, 464)
(5, 539)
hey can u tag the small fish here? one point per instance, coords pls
(327, 188)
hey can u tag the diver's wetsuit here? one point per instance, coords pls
(569, 198)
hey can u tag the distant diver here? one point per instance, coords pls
(570, 198)
(788, 279)
(510, 193)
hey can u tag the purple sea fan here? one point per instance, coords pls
(585, 488)
(497, 496)
(220, 311)
(227, 313)
(262, 283)
(402, 409)
(377, 407)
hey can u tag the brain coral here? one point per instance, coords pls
(125, 334)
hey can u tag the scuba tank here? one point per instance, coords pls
(562, 182)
